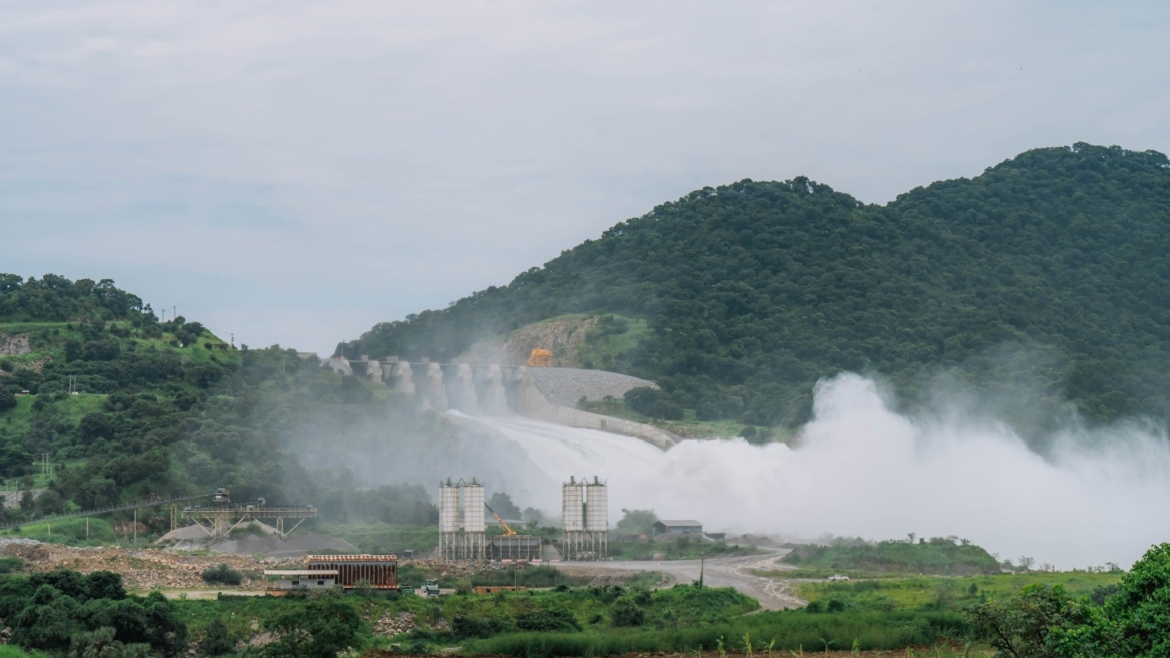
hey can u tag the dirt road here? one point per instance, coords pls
(773, 594)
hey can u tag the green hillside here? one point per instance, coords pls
(126, 407)
(1043, 280)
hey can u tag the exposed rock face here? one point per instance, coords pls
(564, 342)
(14, 345)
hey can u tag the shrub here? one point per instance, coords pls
(217, 641)
(222, 575)
(551, 619)
(627, 613)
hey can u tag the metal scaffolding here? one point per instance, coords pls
(219, 520)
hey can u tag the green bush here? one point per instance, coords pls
(222, 575)
(626, 613)
(550, 619)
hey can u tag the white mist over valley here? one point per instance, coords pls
(860, 469)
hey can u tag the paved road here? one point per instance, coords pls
(772, 593)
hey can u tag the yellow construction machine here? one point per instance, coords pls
(542, 357)
(508, 531)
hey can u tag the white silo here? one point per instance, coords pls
(448, 520)
(448, 507)
(572, 506)
(473, 508)
(585, 512)
(596, 507)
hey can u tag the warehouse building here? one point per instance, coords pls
(677, 528)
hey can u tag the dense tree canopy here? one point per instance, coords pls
(167, 407)
(1046, 275)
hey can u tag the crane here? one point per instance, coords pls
(508, 531)
(542, 357)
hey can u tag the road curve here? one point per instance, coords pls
(773, 594)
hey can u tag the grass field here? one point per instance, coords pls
(610, 341)
(931, 593)
(68, 531)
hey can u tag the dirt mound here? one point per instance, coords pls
(264, 541)
(145, 569)
(294, 546)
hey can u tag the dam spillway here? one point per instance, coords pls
(548, 394)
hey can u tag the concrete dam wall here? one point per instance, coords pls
(495, 390)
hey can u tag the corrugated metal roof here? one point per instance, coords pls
(353, 558)
(676, 522)
(299, 572)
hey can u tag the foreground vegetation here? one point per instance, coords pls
(1044, 615)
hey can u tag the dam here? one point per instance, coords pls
(546, 393)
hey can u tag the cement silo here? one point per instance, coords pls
(461, 523)
(585, 509)
(573, 505)
(448, 507)
(596, 507)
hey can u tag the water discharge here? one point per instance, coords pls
(863, 470)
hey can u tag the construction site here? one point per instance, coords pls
(463, 526)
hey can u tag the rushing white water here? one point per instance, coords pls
(862, 470)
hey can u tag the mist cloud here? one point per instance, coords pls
(863, 470)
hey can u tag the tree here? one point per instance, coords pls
(502, 504)
(627, 613)
(101, 644)
(1042, 622)
(217, 641)
(49, 622)
(166, 632)
(1141, 607)
(321, 628)
(637, 521)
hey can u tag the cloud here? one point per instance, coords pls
(392, 156)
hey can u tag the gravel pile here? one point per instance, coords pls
(17, 541)
(565, 386)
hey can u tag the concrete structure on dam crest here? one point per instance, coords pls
(497, 390)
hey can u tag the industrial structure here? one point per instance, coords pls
(677, 527)
(222, 516)
(462, 528)
(376, 571)
(278, 582)
(585, 518)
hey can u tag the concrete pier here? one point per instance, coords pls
(428, 385)
(489, 389)
(461, 389)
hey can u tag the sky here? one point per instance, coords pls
(293, 172)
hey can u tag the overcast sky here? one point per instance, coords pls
(294, 171)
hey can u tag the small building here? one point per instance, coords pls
(281, 581)
(677, 527)
(376, 571)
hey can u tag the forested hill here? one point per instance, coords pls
(125, 407)
(1047, 277)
